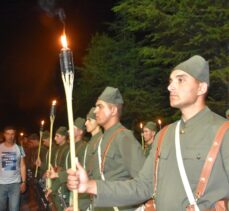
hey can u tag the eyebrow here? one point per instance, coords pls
(179, 75)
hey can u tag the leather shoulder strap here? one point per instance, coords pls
(109, 144)
(157, 156)
(210, 160)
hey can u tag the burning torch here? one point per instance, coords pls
(52, 118)
(142, 137)
(39, 147)
(67, 73)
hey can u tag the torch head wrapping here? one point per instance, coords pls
(66, 61)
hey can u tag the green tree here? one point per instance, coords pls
(171, 31)
(146, 40)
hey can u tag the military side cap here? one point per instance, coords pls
(151, 125)
(80, 123)
(197, 67)
(62, 131)
(45, 134)
(227, 113)
(111, 95)
(91, 113)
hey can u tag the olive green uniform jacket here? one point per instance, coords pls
(63, 164)
(196, 139)
(123, 160)
(91, 159)
(60, 193)
(90, 162)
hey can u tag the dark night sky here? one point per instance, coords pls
(29, 64)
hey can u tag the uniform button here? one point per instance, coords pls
(182, 131)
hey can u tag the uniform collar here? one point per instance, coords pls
(196, 120)
(113, 128)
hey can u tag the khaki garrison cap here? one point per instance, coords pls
(91, 113)
(111, 95)
(45, 134)
(62, 131)
(80, 123)
(197, 67)
(151, 125)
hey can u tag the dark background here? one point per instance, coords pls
(30, 44)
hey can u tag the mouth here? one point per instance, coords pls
(173, 96)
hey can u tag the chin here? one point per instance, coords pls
(174, 105)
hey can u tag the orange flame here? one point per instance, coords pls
(64, 41)
(54, 102)
(141, 125)
(159, 121)
(42, 122)
(21, 134)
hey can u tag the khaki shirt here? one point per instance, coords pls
(197, 135)
(124, 159)
(91, 159)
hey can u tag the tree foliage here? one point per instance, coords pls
(146, 40)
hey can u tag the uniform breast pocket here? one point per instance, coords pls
(111, 161)
(110, 155)
(194, 159)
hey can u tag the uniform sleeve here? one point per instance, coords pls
(129, 192)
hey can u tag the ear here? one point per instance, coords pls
(81, 132)
(114, 110)
(203, 88)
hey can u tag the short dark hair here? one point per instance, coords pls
(9, 127)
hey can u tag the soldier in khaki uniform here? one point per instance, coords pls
(59, 193)
(149, 132)
(90, 161)
(91, 157)
(188, 88)
(120, 156)
(31, 150)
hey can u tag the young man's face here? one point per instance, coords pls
(148, 134)
(46, 142)
(77, 132)
(9, 135)
(183, 88)
(103, 112)
(59, 138)
(91, 125)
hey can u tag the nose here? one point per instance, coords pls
(170, 86)
(96, 110)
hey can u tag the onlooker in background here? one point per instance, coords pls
(12, 171)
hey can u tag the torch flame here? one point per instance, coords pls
(21, 134)
(141, 125)
(64, 41)
(159, 121)
(42, 122)
(54, 102)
